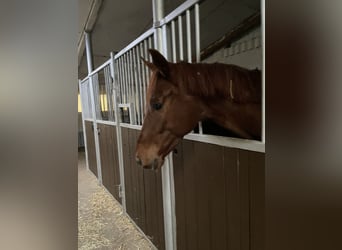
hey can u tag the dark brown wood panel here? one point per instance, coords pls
(243, 168)
(144, 201)
(109, 159)
(178, 172)
(219, 197)
(232, 198)
(89, 129)
(257, 202)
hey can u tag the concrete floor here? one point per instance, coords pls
(101, 223)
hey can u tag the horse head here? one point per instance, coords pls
(170, 114)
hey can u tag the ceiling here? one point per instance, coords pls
(114, 24)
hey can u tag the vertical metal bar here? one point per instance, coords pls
(88, 52)
(198, 48)
(118, 133)
(125, 66)
(97, 144)
(140, 81)
(158, 14)
(263, 69)
(136, 82)
(142, 67)
(83, 122)
(168, 203)
(180, 36)
(188, 35)
(164, 42)
(133, 99)
(150, 46)
(120, 79)
(173, 43)
(197, 33)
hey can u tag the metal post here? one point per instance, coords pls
(167, 169)
(263, 69)
(188, 35)
(180, 35)
(92, 98)
(158, 14)
(198, 49)
(118, 132)
(88, 52)
(173, 37)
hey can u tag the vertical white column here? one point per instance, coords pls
(118, 132)
(92, 97)
(263, 69)
(167, 169)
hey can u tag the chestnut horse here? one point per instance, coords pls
(181, 94)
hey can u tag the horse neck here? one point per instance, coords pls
(226, 104)
(204, 80)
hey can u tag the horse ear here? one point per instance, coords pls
(150, 65)
(160, 62)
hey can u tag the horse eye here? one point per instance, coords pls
(157, 106)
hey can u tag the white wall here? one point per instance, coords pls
(245, 51)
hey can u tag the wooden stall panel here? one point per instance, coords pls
(219, 197)
(89, 129)
(109, 159)
(144, 202)
(257, 200)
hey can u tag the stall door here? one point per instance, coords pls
(89, 128)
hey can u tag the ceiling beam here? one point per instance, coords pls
(88, 26)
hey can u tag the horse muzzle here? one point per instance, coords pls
(153, 165)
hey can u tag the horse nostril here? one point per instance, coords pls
(138, 160)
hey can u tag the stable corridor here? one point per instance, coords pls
(101, 223)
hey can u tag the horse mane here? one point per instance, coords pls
(217, 80)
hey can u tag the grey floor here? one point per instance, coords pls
(101, 223)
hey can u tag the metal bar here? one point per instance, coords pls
(173, 43)
(198, 49)
(135, 42)
(158, 14)
(180, 35)
(263, 69)
(124, 66)
(146, 68)
(97, 145)
(118, 78)
(122, 80)
(140, 81)
(106, 63)
(178, 11)
(88, 52)
(136, 81)
(84, 79)
(150, 46)
(188, 35)
(132, 86)
(251, 145)
(197, 33)
(164, 42)
(118, 134)
(169, 218)
(110, 102)
(143, 80)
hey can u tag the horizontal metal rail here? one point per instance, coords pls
(106, 63)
